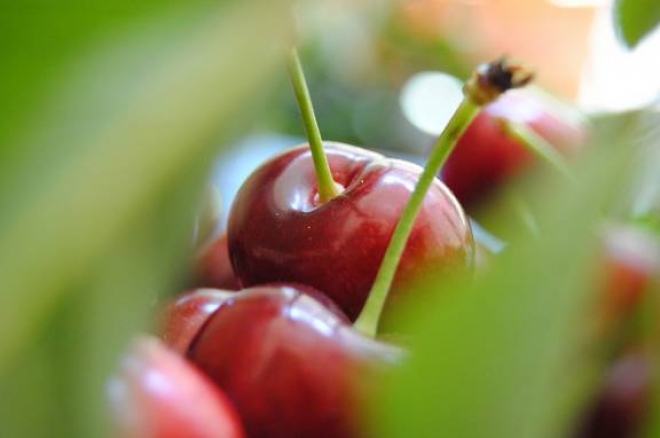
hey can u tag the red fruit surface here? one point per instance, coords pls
(158, 394)
(184, 315)
(485, 157)
(630, 266)
(278, 231)
(212, 268)
(620, 407)
(291, 367)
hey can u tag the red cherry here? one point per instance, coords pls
(160, 395)
(184, 315)
(212, 267)
(622, 403)
(279, 231)
(630, 266)
(486, 157)
(290, 366)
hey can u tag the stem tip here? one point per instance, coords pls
(490, 80)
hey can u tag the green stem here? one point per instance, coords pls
(367, 322)
(327, 187)
(537, 145)
(487, 83)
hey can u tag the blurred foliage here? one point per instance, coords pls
(636, 19)
(514, 354)
(355, 71)
(640, 202)
(112, 114)
(114, 111)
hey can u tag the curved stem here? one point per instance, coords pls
(367, 322)
(487, 83)
(327, 187)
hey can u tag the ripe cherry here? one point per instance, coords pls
(290, 366)
(212, 267)
(279, 230)
(158, 394)
(184, 315)
(630, 267)
(623, 401)
(486, 157)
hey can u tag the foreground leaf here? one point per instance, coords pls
(636, 19)
(510, 356)
(99, 186)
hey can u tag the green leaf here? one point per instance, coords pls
(79, 207)
(636, 19)
(101, 170)
(510, 355)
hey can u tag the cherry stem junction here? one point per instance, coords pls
(487, 83)
(327, 187)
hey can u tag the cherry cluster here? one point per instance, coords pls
(279, 337)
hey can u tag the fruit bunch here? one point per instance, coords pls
(283, 332)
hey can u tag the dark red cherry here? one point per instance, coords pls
(291, 367)
(622, 403)
(485, 157)
(279, 231)
(212, 267)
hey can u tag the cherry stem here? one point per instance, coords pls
(537, 145)
(327, 187)
(487, 83)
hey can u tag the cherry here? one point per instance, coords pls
(354, 224)
(290, 366)
(280, 231)
(630, 265)
(183, 316)
(486, 156)
(212, 267)
(158, 394)
(621, 404)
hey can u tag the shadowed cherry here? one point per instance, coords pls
(212, 267)
(620, 406)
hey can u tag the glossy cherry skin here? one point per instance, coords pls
(183, 316)
(278, 231)
(291, 367)
(212, 267)
(158, 394)
(485, 157)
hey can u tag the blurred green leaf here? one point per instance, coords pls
(636, 18)
(169, 121)
(101, 170)
(640, 196)
(513, 354)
